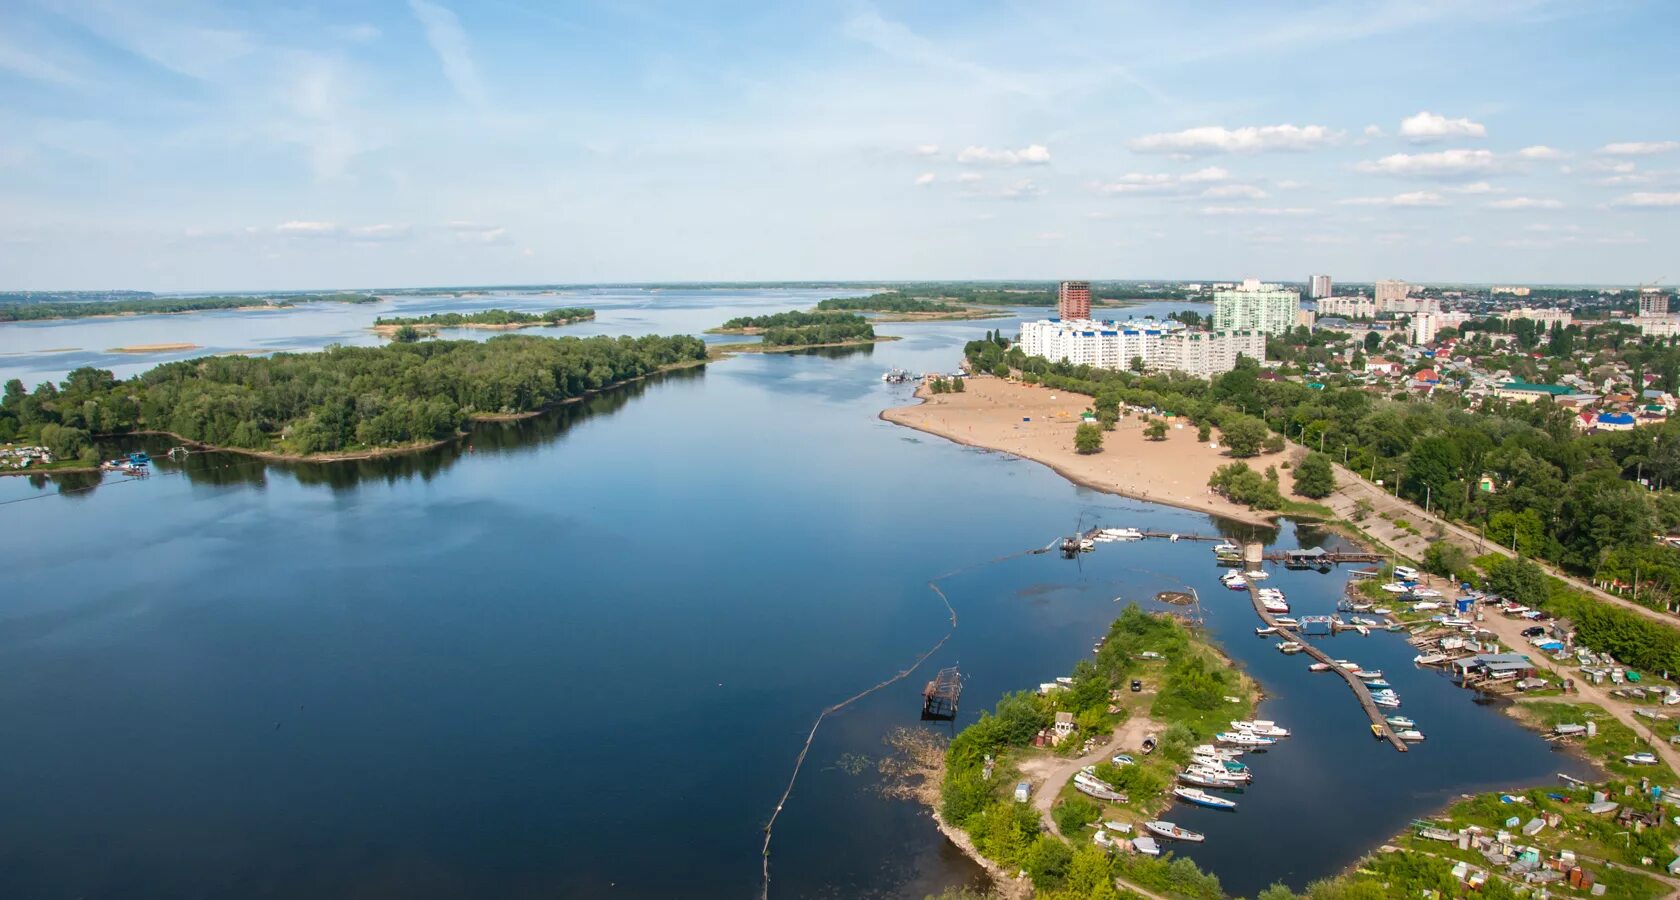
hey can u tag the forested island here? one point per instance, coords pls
(340, 401)
(488, 318)
(802, 329)
(30, 311)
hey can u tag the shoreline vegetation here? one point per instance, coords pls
(489, 319)
(796, 329)
(891, 307)
(148, 305)
(339, 403)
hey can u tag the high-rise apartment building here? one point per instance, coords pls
(1160, 346)
(1073, 301)
(1392, 292)
(1320, 287)
(1653, 302)
(1253, 306)
(1424, 326)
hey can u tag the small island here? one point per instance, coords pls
(490, 319)
(339, 403)
(894, 307)
(798, 330)
(62, 306)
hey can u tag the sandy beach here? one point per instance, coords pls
(1038, 423)
(152, 348)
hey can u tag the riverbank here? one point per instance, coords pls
(154, 348)
(1038, 423)
(387, 330)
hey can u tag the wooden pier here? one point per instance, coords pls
(1360, 691)
(1305, 558)
(940, 697)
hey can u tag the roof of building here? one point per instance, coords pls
(1556, 390)
(1616, 418)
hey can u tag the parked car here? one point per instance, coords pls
(1137, 685)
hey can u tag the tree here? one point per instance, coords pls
(62, 441)
(1446, 559)
(1517, 579)
(1156, 431)
(407, 334)
(1274, 443)
(1373, 340)
(1315, 477)
(1137, 364)
(1203, 432)
(1074, 814)
(1087, 438)
(1244, 436)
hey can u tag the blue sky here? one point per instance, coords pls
(197, 145)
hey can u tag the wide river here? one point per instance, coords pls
(577, 655)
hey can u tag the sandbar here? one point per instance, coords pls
(152, 348)
(1037, 423)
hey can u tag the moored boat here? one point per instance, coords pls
(1640, 759)
(1172, 832)
(1146, 845)
(1411, 735)
(1265, 631)
(1289, 647)
(1319, 667)
(1401, 722)
(1262, 727)
(1202, 798)
(1243, 739)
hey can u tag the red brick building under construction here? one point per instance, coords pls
(1073, 301)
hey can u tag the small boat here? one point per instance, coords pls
(1401, 722)
(1350, 666)
(1263, 632)
(1092, 786)
(1087, 545)
(1243, 739)
(1216, 752)
(1377, 731)
(1146, 845)
(1363, 573)
(1172, 832)
(1199, 778)
(1319, 667)
(1289, 647)
(1286, 622)
(1430, 659)
(1236, 584)
(1387, 702)
(1394, 587)
(1410, 734)
(1229, 765)
(1227, 549)
(1262, 727)
(1376, 683)
(1367, 674)
(1221, 776)
(1124, 534)
(1383, 611)
(1202, 798)
(1425, 593)
(1640, 759)
(1256, 575)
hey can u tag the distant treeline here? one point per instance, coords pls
(790, 319)
(1029, 293)
(30, 311)
(492, 317)
(71, 296)
(890, 302)
(341, 399)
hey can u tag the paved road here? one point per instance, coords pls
(1352, 487)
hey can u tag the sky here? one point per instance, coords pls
(193, 145)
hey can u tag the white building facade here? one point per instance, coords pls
(1253, 306)
(1319, 287)
(1161, 346)
(1348, 307)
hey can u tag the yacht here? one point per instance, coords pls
(1262, 727)
(1243, 739)
(1401, 722)
(1202, 798)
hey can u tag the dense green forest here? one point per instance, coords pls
(491, 317)
(22, 312)
(890, 302)
(1556, 494)
(340, 399)
(796, 328)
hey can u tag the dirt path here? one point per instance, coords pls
(1351, 488)
(1510, 633)
(1049, 774)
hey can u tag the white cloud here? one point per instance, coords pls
(1255, 211)
(1021, 190)
(1440, 164)
(1245, 191)
(1410, 198)
(17, 60)
(1517, 203)
(307, 229)
(1620, 167)
(1252, 139)
(381, 232)
(926, 178)
(359, 34)
(1475, 187)
(1161, 182)
(1639, 148)
(449, 42)
(475, 233)
(1626, 237)
(1373, 131)
(969, 177)
(1289, 184)
(1033, 154)
(1211, 173)
(927, 150)
(1540, 151)
(1647, 200)
(1427, 126)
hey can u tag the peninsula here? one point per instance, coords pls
(127, 305)
(489, 319)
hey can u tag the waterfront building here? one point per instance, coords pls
(1158, 346)
(1319, 288)
(1253, 306)
(1391, 291)
(1073, 301)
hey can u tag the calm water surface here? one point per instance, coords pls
(577, 656)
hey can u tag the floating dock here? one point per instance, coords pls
(1360, 691)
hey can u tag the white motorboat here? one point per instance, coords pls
(1394, 587)
(1262, 727)
(1401, 722)
(1430, 659)
(1243, 739)
(1286, 622)
(1367, 674)
(1123, 534)
(1092, 786)
(1172, 832)
(1264, 631)
(1257, 575)
(1319, 667)
(1289, 647)
(1215, 752)
(1227, 549)
(1387, 702)
(1201, 777)
(1146, 845)
(1202, 798)
(1641, 759)
(1409, 734)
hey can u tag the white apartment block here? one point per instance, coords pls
(1424, 327)
(1348, 307)
(1319, 287)
(1253, 306)
(1658, 326)
(1408, 306)
(1543, 315)
(1161, 346)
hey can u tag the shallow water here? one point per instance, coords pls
(576, 655)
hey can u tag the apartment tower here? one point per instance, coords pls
(1073, 301)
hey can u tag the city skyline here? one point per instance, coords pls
(201, 147)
